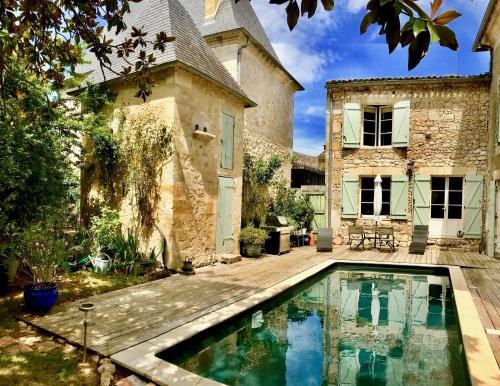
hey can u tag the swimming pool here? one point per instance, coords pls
(351, 325)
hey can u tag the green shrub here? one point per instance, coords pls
(105, 230)
(253, 236)
(295, 206)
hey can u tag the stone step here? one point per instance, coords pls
(229, 258)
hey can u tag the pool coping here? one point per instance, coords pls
(142, 359)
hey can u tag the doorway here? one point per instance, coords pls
(224, 225)
(446, 206)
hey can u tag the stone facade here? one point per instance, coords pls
(189, 186)
(268, 127)
(448, 129)
(488, 39)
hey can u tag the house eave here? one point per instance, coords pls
(477, 46)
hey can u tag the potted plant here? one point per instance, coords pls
(43, 253)
(253, 239)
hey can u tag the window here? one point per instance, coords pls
(368, 192)
(377, 126)
(446, 197)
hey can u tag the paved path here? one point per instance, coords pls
(130, 316)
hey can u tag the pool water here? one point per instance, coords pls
(348, 326)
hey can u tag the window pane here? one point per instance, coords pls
(437, 211)
(456, 183)
(367, 209)
(369, 140)
(369, 127)
(386, 139)
(455, 198)
(369, 115)
(386, 183)
(386, 127)
(367, 196)
(437, 197)
(367, 182)
(386, 196)
(386, 115)
(386, 209)
(438, 183)
(455, 211)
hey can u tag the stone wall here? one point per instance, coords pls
(448, 136)
(189, 184)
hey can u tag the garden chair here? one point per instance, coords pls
(419, 239)
(386, 238)
(356, 237)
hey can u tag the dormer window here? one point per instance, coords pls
(377, 126)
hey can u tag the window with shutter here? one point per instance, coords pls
(227, 141)
(401, 124)
(490, 244)
(473, 207)
(399, 197)
(421, 200)
(349, 196)
(351, 125)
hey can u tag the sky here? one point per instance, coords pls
(329, 46)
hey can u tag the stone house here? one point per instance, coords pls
(488, 39)
(239, 41)
(199, 210)
(427, 138)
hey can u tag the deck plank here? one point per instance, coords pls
(133, 315)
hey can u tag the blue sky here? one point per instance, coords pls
(329, 46)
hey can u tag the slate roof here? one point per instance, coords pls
(189, 47)
(231, 16)
(409, 79)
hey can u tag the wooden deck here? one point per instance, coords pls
(130, 316)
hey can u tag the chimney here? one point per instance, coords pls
(211, 7)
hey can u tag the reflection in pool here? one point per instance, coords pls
(346, 327)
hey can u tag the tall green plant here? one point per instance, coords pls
(258, 176)
(297, 207)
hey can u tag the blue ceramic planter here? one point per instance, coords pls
(40, 297)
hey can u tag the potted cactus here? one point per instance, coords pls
(253, 239)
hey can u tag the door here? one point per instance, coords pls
(224, 226)
(318, 203)
(446, 206)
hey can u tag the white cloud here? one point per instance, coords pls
(354, 6)
(308, 141)
(315, 110)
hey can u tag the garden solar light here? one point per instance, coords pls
(85, 308)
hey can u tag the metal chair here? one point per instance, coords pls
(419, 239)
(356, 235)
(386, 238)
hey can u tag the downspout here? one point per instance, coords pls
(240, 51)
(330, 139)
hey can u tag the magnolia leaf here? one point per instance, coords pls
(304, 7)
(328, 4)
(435, 5)
(446, 17)
(311, 10)
(368, 19)
(432, 30)
(418, 49)
(447, 37)
(418, 26)
(293, 13)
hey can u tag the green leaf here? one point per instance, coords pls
(432, 30)
(293, 13)
(418, 26)
(418, 49)
(328, 4)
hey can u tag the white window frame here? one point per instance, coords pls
(378, 125)
(371, 216)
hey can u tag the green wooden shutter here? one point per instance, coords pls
(349, 196)
(490, 244)
(498, 114)
(473, 207)
(318, 203)
(351, 125)
(227, 142)
(399, 197)
(421, 200)
(400, 124)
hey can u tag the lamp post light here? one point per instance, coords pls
(85, 308)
